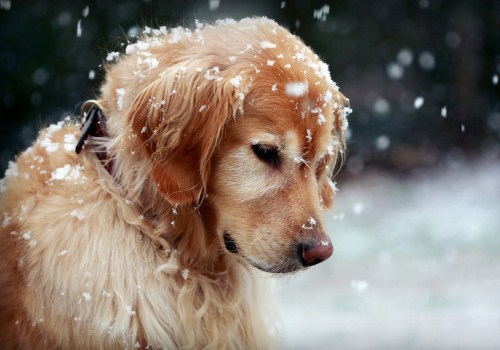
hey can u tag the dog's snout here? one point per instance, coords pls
(314, 252)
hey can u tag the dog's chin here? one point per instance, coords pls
(289, 265)
(279, 269)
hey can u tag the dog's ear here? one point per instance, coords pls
(178, 120)
(335, 158)
(327, 192)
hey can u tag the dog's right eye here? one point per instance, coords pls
(267, 154)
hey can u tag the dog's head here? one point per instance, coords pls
(244, 117)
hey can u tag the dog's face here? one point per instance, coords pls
(271, 179)
(253, 131)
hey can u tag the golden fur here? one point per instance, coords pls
(137, 258)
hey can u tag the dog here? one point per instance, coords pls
(207, 157)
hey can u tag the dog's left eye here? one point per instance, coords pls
(267, 154)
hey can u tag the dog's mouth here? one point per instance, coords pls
(288, 265)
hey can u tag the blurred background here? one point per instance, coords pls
(417, 223)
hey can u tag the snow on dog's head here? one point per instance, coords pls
(244, 118)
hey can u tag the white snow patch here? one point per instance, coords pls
(87, 296)
(333, 185)
(6, 219)
(321, 119)
(202, 108)
(112, 56)
(185, 274)
(62, 252)
(27, 236)
(77, 213)
(344, 124)
(12, 170)
(49, 145)
(70, 142)
(270, 63)
(67, 172)
(267, 45)
(308, 135)
(274, 87)
(296, 89)
(121, 94)
(129, 310)
(236, 81)
(310, 224)
(55, 127)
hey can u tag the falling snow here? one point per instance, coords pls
(419, 102)
(213, 4)
(79, 28)
(444, 112)
(85, 11)
(494, 79)
(359, 285)
(322, 13)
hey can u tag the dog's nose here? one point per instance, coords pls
(312, 253)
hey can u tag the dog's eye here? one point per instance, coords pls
(267, 154)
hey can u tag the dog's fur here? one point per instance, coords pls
(137, 258)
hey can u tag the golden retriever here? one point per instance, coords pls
(214, 161)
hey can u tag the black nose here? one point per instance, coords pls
(314, 252)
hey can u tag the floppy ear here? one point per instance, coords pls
(336, 155)
(327, 192)
(178, 120)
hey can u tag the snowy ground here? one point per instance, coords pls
(416, 266)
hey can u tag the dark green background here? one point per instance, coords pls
(44, 67)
